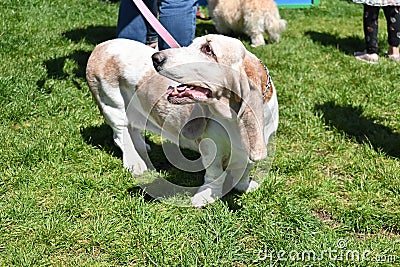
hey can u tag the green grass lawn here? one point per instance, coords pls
(331, 196)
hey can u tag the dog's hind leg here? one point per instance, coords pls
(114, 114)
(130, 156)
(113, 109)
(140, 145)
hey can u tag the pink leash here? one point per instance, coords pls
(153, 21)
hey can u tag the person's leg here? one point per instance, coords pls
(199, 14)
(392, 14)
(131, 24)
(370, 23)
(370, 26)
(179, 18)
(202, 2)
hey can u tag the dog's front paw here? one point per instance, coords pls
(204, 196)
(257, 40)
(137, 167)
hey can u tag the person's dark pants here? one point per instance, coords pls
(371, 14)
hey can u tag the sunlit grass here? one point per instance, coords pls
(66, 200)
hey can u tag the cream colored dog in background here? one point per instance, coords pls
(251, 17)
(214, 97)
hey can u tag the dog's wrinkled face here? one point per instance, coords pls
(205, 69)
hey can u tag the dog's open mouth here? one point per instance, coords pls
(185, 93)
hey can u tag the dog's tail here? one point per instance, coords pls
(274, 25)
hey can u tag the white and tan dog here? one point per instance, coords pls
(214, 97)
(251, 17)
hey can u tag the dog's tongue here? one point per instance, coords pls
(187, 91)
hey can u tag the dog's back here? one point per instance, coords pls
(112, 68)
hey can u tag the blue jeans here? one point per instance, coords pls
(202, 3)
(177, 16)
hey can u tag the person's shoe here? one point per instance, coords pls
(200, 15)
(153, 45)
(364, 56)
(393, 57)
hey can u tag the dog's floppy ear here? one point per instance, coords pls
(251, 113)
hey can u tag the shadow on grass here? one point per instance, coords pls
(92, 35)
(230, 199)
(56, 67)
(347, 45)
(73, 66)
(101, 137)
(351, 121)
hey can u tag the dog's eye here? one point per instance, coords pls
(206, 49)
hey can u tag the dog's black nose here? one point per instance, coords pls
(159, 59)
